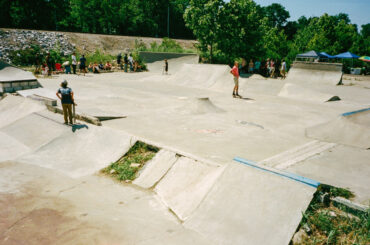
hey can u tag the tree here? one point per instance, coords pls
(276, 14)
(203, 18)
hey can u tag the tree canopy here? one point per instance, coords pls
(226, 30)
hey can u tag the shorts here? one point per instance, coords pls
(236, 81)
(82, 67)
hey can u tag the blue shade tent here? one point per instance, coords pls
(328, 56)
(347, 55)
(310, 54)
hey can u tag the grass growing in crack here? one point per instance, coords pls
(127, 167)
(324, 223)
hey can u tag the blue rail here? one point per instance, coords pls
(354, 112)
(304, 180)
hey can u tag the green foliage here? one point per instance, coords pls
(139, 153)
(99, 56)
(168, 45)
(130, 17)
(330, 225)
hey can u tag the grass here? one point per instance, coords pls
(125, 169)
(326, 224)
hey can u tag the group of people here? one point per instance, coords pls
(128, 64)
(268, 68)
(269, 65)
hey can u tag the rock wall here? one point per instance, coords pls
(13, 40)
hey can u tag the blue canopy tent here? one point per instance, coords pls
(310, 54)
(328, 56)
(347, 55)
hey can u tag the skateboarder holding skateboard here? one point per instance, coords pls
(65, 94)
(235, 72)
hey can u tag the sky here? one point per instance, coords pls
(357, 10)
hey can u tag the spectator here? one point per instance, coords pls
(90, 67)
(131, 62)
(125, 59)
(96, 68)
(83, 64)
(67, 67)
(49, 63)
(283, 69)
(250, 67)
(108, 66)
(257, 66)
(119, 58)
(101, 66)
(74, 62)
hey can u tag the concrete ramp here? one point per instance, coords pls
(202, 76)
(250, 206)
(196, 106)
(299, 92)
(315, 73)
(13, 108)
(352, 130)
(82, 152)
(13, 79)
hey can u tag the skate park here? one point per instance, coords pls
(229, 170)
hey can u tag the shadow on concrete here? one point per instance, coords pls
(79, 126)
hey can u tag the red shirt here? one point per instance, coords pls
(235, 71)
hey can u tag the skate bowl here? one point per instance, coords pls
(13, 79)
(351, 129)
(205, 76)
(315, 73)
(196, 106)
(298, 92)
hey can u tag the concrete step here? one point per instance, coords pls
(297, 154)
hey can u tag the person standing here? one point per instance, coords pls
(49, 63)
(125, 60)
(283, 69)
(165, 66)
(257, 65)
(131, 62)
(272, 68)
(235, 72)
(74, 62)
(83, 64)
(119, 58)
(65, 94)
(250, 66)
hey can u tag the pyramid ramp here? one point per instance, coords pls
(13, 79)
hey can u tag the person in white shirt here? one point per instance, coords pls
(283, 69)
(131, 62)
(74, 62)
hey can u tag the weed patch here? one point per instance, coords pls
(323, 223)
(127, 167)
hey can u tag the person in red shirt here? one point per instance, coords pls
(235, 72)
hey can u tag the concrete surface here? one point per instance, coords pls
(243, 198)
(9, 73)
(155, 169)
(193, 201)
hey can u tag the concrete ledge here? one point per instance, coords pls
(349, 204)
(82, 117)
(151, 57)
(318, 66)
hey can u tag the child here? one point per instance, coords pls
(235, 72)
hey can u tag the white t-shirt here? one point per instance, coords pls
(283, 66)
(130, 59)
(74, 60)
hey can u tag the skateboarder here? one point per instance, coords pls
(165, 67)
(65, 94)
(235, 72)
